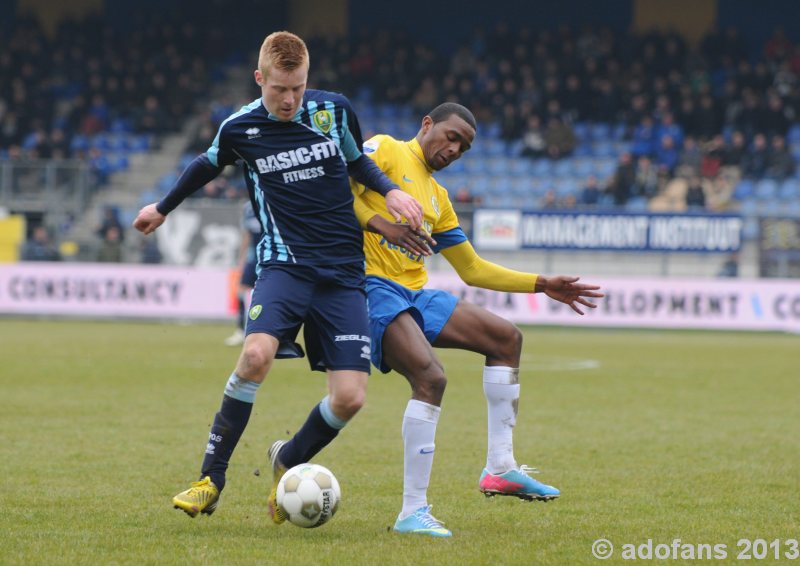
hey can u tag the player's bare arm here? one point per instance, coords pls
(567, 290)
(148, 219)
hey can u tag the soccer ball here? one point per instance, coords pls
(309, 494)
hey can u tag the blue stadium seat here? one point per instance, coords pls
(582, 131)
(495, 148)
(794, 134)
(515, 148)
(789, 189)
(563, 168)
(475, 165)
(583, 149)
(139, 143)
(520, 166)
(619, 131)
(603, 148)
(583, 167)
(636, 204)
(458, 166)
(744, 190)
(497, 165)
(766, 189)
(605, 167)
(601, 132)
(542, 167)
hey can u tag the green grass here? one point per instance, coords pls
(688, 435)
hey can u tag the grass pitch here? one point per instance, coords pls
(649, 435)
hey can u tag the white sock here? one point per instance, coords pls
(501, 387)
(419, 432)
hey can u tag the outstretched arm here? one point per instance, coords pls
(197, 174)
(477, 272)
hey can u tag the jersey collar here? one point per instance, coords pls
(273, 117)
(416, 149)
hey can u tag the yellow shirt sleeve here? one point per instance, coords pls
(477, 272)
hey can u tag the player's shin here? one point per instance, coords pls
(320, 428)
(501, 387)
(419, 433)
(229, 424)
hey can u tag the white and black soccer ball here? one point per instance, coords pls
(309, 494)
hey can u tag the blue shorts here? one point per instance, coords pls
(330, 303)
(249, 274)
(429, 307)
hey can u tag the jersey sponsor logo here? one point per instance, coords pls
(252, 133)
(350, 337)
(255, 311)
(303, 174)
(323, 120)
(296, 157)
(418, 258)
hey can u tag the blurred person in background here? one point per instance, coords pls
(40, 247)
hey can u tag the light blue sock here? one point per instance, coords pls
(327, 414)
(241, 389)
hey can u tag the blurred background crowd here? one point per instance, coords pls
(581, 116)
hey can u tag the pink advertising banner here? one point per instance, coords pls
(730, 304)
(113, 290)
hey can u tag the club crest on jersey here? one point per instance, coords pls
(255, 311)
(323, 120)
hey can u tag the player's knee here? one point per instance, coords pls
(429, 384)
(508, 345)
(255, 361)
(346, 404)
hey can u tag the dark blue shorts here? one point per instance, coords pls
(430, 308)
(249, 274)
(329, 301)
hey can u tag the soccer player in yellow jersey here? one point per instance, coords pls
(406, 320)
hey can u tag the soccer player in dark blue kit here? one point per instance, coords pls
(298, 148)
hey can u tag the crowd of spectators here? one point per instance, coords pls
(695, 119)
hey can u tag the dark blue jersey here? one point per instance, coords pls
(297, 176)
(252, 225)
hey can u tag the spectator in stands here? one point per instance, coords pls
(559, 138)
(40, 247)
(735, 152)
(548, 200)
(730, 268)
(646, 178)
(464, 196)
(780, 163)
(695, 196)
(590, 194)
(533, 141)
(756, 161)
(623, 180)
(713, 154)
(644, 137)
(690, 155)
(111, 247)
(110, 219)
(666, 158)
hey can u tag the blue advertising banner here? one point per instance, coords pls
(516, 229)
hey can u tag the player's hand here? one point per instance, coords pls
(567, 290)
(401, 204)
(401, 234)
(148, 219)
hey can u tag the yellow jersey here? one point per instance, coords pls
(404, 163)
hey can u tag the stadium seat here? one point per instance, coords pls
(583, 167)
(498, 165)
(542, 167)
(744, 190)
(603, 148)
(495, 148)
(636, 204)
(794, 134)
(789, 189)
(519, 166)
(582, 132)
(766, 189)
(605, 167)
(475, 165)
(563, 168)
(601, 132)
